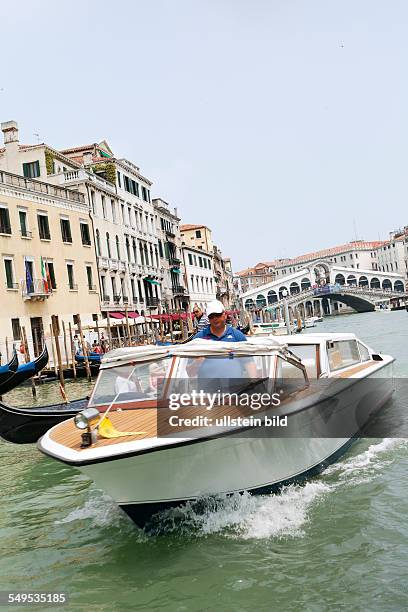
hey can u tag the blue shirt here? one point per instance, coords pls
(230, 335)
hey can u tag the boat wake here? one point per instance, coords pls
(244, 516)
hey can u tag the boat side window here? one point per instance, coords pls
(342, 354)
(364, 352)
(307, 353)
(289, 378)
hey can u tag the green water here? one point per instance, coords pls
(338, 543)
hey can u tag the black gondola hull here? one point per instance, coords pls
(27, 425)
(24, 372)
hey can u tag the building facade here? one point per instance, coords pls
(48, 259)
(392, 255)
(174, 290)
(199, 272)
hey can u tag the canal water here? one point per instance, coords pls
(338, 542)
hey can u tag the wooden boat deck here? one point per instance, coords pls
(146, 420)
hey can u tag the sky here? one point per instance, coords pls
(280, 124)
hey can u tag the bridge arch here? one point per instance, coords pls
(305, 284)
(340, 279)
(399, 286)
(294, 288)
(260, 301)
(272, 296)
(363, 281)
(386, 284)
(375, 283)
(351, 280)
(322, 272)
(281, 290)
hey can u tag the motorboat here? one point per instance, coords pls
(25, 371)
(310, 322)
(329, 387)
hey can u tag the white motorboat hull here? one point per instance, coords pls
(144, 484)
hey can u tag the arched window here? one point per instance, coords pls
(98, 243)
(108, 245)
(351, 280)
(260, 301)
(375, 283)
(399, 286)
(339, 279)
(386, 284)
(363, 281)
(272, 297)
(134, 250)
(128, 248)
(294, 288)
(117, 247)
(305, 284)
(282, 291)
(141, 253)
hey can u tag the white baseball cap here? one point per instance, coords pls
(215, 307)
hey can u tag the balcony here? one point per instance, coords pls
(35, 289)
(103, 262)
(122, 266)
(116, 299)
(152, 302)
(39, 187)
(125, 299)
(170, 234)
(174, 261)
(178, 290)
(113, 264)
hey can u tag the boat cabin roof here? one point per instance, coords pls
(194, 348)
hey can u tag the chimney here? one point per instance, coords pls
(10, 133)
(87, 158)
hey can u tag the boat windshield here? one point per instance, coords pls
(225, 374)
(131, 382)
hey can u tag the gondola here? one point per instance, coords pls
(27, 425)
(25, 371)
(93, 358)
(7, 371)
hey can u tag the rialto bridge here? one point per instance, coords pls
(324, 288)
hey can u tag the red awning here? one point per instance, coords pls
(116, 315)
(133, 315)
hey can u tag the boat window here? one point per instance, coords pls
(225, 374)
(364, 352)
(307, 353)
(342, 354)
(130, 382)
(289, 378)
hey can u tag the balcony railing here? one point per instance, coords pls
(170, 234)
(152, 302)
(38, 186)
(35, 289)
(178, 289)
(103, 262)
(174, 261)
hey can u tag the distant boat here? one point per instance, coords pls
(8, 370)
(92, 358)
(24, 372)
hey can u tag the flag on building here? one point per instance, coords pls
(29, 278)
(44, 277)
